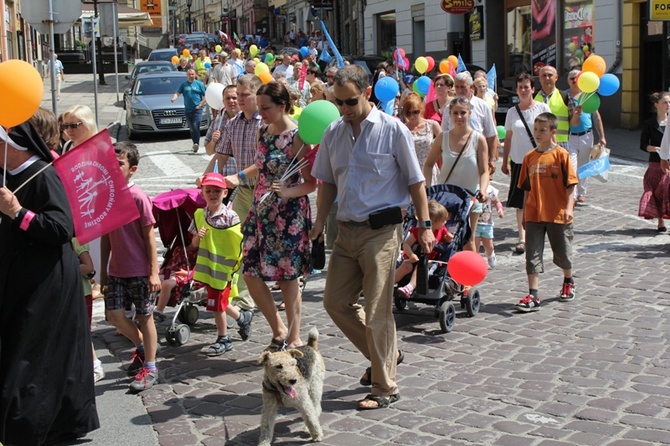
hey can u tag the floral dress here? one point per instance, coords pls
(276, 232)
(423, 137)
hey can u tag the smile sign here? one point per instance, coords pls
(457, 6)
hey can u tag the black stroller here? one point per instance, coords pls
(434, 286)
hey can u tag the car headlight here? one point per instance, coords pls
(139, 112)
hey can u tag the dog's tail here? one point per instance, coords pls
(313, 338)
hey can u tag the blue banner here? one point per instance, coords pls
(594, 167)
(338, 56)
(491, 77)
(325, 56)
(461, 65)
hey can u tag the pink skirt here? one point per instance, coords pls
(655, 201)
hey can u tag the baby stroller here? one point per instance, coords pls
(173, 212)
(434, 286)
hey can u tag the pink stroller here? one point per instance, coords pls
(173, 212)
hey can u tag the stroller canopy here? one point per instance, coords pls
(175, 209)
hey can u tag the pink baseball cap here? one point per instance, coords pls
(213, 179)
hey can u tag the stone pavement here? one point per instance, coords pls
(595, 371)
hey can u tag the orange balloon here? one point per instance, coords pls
(265, 77)
(444, 66)
(186, 52)
(22, 90)
(453, 60)
(175, 60)
(595, 64)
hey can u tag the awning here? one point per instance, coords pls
(127, 16)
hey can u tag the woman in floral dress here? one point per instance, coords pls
(424, 131)
(277, 246)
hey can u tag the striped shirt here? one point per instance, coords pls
(240, 140)
(231, 166)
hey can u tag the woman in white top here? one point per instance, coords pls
(517, 144)
(424, 131)
(465, 159)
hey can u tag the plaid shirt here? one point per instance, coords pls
(240, 140)
(231, 166)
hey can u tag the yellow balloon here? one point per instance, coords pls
(218, 48)
(421, 64)
(588, 81)
(253, 50)
(257, 60)
(453, 61)
(261, 68)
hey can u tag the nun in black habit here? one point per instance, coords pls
(46, 368)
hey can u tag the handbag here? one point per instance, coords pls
(458, 157)
(530, 134)
(318, 258)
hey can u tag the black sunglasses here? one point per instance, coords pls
(74, 125)
(350, 102)
(412, 112)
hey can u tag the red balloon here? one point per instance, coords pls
(467, 268)
(402, 52)
(405, 61)
(431, 63)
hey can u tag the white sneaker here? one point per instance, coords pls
(196, 148)
(98, 373)
(492, 260)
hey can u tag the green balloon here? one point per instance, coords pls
(591, 104)
(314, 120)
(269, 58)
(415, 88)
(501, 132)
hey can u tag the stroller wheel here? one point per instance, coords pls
(400, 302)
(170, 335)
(447, 316)
(472, 302)
(189, 314)
(182, 334)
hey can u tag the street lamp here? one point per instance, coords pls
(189, 3)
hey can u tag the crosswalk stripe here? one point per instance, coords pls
(169, 163)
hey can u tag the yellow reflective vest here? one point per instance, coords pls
(200, 68)
(219, 255)
(558, 107)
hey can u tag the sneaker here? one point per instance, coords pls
(245, 324)
(567, 292)
(158, 317)
(196, 148)
(221, 346)
(528, 304)
(137, 364)
(98, 373)
(492, 260)
(145, 379)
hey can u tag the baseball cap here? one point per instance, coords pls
(409, 78)
(223, 54)
(213, 179)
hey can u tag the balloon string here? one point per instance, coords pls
(4, 168)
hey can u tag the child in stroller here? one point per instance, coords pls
(438, 216)
(434, 286)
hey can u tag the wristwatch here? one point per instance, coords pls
(425, 224)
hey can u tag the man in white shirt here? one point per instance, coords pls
(60, 74)
(367, 147)
(481, 118)
(284, 67)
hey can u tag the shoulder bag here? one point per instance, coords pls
(530, 134)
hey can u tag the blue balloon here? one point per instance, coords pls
(304, 51)
(423, 84)
(609, 84)
(386, 89)
(208, 65)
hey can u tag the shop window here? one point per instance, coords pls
(518, 38)
(386, 34)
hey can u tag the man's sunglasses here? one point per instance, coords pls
(350, 102)
(74, 125)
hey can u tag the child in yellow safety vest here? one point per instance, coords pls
(218, 238)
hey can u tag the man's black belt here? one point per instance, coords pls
(581, 133)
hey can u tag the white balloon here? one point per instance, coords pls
(214, 95)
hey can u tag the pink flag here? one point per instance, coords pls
(431, 93)
(96, 188)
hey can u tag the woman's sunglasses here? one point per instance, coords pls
(74, 125)
(350, 101)
(413, 112)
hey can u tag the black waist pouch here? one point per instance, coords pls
(383, 217)
(318, 254)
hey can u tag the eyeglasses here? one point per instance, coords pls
(350, 101)
(412, 112)
(572, 78)
(74, 125)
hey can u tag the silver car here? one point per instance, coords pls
(149, 106)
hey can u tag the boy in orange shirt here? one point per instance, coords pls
(548, 180)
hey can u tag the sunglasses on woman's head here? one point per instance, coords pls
(350, 101)
(74, 125)
(459, 100)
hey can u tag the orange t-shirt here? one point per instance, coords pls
(546, 176)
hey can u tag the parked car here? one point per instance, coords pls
(149, 106)
(163, 54)
(152, 66)
(192, 39)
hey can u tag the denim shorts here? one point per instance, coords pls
(122, 292)
(484, 231)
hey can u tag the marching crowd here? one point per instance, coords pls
(368, 167)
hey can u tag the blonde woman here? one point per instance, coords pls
(78, 125)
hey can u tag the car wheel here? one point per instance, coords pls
(130, 134)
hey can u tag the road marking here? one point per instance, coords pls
(170, 164)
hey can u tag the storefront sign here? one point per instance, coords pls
(457, 6)
(476, 23)
(577, 33)
(659, 10)
(543, 33)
